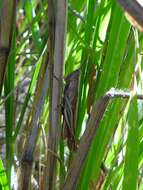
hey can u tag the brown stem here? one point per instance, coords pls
(85, 143)
(57, 29)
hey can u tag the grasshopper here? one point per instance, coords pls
(69, 108)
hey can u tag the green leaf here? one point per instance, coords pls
(3, 178)
(132, 148)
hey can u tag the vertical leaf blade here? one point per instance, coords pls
(132, 148)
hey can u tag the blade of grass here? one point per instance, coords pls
(8, 87)
(30, 14)
(132, 148)
(9, 106)
(29, 94)
(7, 15)
(4, 185)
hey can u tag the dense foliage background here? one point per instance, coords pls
(41, 43)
